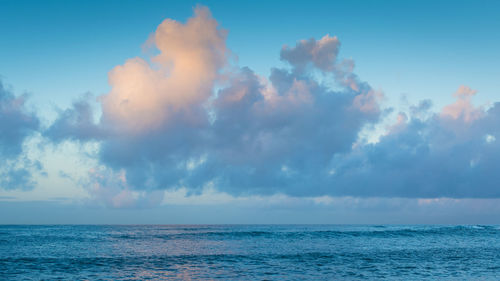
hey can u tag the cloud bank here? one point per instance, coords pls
(189, 118)
(453, 153)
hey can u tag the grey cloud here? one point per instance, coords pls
(321, 54)
(16, 178)
(17, 124)
(433, 157)
(75, 123)
(253, 137)
(288, 134)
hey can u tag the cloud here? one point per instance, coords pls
(111, 189)
(448, 154)
(462, 108)
(18, 174)
(17, 124)
(187, 119)
(75, 123)
(148, 96)
(167, 127)
(321, 54)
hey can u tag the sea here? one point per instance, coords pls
(249, 252)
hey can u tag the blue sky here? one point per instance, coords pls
(419, 48)
(404, 53)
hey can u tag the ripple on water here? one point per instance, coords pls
(249, 252)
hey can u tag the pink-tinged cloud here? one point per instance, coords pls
(165, 125)
(322, 54)
(145, 95)
(463, 108)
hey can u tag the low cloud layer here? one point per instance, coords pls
(189, 118)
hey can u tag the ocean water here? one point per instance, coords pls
(249, 252)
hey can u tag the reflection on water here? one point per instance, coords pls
(249, 252)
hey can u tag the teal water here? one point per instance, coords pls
(249, 252)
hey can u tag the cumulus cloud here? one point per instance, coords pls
(167, 127)
(75, 123)
(187, 119)
(17, 123)
(452, 154)
(321, 54)
(463, 108)
(147, 96)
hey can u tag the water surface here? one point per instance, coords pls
(249, 252)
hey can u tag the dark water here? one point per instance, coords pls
(257, 252)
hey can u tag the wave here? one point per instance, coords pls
(376, 231)
(240, 233)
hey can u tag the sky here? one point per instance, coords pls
(249, 112)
